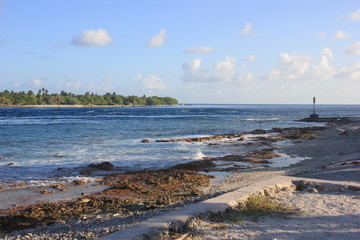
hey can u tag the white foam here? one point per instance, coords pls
(199, 154)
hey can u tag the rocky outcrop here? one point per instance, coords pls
(104, 166)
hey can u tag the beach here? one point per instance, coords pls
(328, 153)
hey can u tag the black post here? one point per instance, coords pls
(314, 115)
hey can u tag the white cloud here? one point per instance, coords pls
(222, 72)
(37, 82)
(299, 68)
(354, 49)
(290, 67)
(351, 72)
(251, 58)
(327, 52)
(99, 37)
(248, 30)
(150, 82)
(322, 71)
(341, 35)
(320, 34)
(158, 40)
(199, 50)
(354, 15)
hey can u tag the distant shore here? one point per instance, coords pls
(75, 106)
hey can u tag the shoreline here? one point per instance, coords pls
(79, 106)
(327, 140)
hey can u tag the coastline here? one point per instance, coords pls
(77, 106)
(327, 151)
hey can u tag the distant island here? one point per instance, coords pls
(44, 98)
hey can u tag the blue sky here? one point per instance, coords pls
(227, 51)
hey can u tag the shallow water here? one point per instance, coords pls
(32, 137)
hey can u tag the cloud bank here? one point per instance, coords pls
(294, 67)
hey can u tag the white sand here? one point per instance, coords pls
(324, 216)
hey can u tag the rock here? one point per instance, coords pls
(79, 182)
(105, 166)
(86, 172)
(259, 131)
(11, 164)
(56, 186)
(145, 141)
(343, 188)
(58, 155)
(45, 191)
(312, 190)
(2, 159)
(353, 188)
(356, 163)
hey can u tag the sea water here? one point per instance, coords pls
(32, 139)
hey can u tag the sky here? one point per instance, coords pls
(203, 51)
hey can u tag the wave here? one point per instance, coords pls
(262, 119)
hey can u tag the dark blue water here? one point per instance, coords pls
(31, 137)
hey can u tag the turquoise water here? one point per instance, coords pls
(31, 137)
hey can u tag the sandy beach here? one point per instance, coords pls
(331, 153)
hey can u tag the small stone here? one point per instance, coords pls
(312, 190)
(58, 155)
(11, 164)
(343, 188)
(45, 191)
(79, 182)
(145, 141)
(56, 186)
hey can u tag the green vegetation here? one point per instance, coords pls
(257, 207)
(43, 97)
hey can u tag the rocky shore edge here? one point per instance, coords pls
(145, 192)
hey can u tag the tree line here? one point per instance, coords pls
(43, 97)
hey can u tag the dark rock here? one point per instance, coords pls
(105, 166)
(259, 131)
(11, 164)
(314, 116)
(58, 155)
(86, 172)
(353, 188)
(145, 141)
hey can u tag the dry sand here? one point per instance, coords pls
(331, 215)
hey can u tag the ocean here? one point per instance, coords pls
(32, 139)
